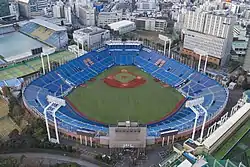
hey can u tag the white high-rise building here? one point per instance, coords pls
(210, 33)
(87, 15)
(14, 10)
(219, 26)
(194, 21)
(56, 11)
(67, 13)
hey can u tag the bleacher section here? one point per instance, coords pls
(42, 33)
(6, 29)
(46, 32)
(189, 82)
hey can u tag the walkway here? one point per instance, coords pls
(50, 158)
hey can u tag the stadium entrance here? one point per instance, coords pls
(127, 137)
(127, 141)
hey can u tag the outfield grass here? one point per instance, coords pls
(220, 153)
(14, 71)
(148, 102)
(22, 69)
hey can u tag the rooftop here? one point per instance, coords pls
(223, 129)
(48, 25)
(119, 24)
(24, 1)
(89, 30)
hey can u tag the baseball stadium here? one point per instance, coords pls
(125, 81)
(34, 34)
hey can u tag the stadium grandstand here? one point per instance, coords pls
(5, 29)
(11, 74)
(46, 32)
(11, 36)
(63, 80)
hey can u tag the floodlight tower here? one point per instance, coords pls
(54, 105)
(198, 109)
(46, 53)
(42, 63)
(201, 53)
(204, 120)
(166, 39)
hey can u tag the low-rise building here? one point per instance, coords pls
(147, 5)
(123, 26)
(106, 18)
(239, 44)
(150, 24)
(91, 37)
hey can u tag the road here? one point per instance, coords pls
(50, 158)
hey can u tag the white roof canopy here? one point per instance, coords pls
(48, 25)
(214, 137)
(115, 26)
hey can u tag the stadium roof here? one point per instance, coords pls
(115, 26)
(92, 30)
(48, 25)
(214, 137)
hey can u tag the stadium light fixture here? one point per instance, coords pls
(42, 64)
(46, 119)
(204, 122)
(54, 105)
(165, 39)
(78, 48)
(47, 53)
(191, 104)
(201, 53)
(195, 121)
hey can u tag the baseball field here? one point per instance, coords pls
(130, 94)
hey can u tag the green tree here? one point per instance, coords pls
(15, 110)
(14, 134)
(8, 162)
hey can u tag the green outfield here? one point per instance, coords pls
(145, 103)
(33, 65)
